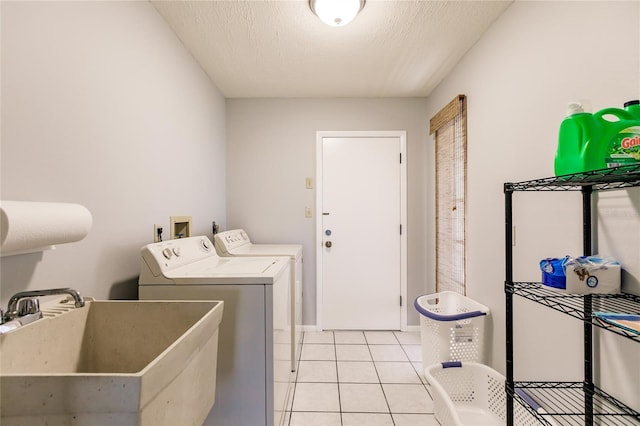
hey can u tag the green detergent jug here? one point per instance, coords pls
(607, 138)
(575, 141)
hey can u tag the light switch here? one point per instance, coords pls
(309, 183)
(307, 212)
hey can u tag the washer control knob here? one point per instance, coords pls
(176, 251)
(205, 245)
(328, 244)
(167, 253)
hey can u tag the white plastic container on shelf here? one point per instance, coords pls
(472, 394)
(451, 328)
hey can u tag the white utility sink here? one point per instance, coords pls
(112, 363)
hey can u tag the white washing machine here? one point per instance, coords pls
(236, 243)
(254, 348)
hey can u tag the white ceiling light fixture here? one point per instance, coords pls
(336, 13)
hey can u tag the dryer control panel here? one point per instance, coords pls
(229, 240)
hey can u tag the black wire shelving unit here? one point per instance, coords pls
(569, 403)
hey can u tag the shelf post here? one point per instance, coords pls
(586, 220)
(508, 286)
(587, 309)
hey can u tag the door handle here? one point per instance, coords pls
(328, 244)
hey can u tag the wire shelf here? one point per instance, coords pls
(599, 180)
(573, 304)
(563, 403)
(571, 403)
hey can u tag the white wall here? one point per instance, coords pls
(271, 150)
(103, 106)
(519, 77)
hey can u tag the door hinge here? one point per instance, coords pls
(400, 229)
(400, 300)
(400, 158)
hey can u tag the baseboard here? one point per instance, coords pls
(410, 328)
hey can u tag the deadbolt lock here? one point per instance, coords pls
(328, 244)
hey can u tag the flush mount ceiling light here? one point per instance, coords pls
(336, 13)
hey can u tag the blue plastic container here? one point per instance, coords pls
(553, 273)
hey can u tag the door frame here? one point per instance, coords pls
(402, 135)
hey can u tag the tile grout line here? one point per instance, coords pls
(295, 382)
(383, 392)
(386, 400)
(335, 355)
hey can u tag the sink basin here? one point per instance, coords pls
(112, 363)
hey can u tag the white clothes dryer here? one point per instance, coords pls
(236, 243)
(253, 372)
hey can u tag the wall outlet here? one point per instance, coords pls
(157, 233)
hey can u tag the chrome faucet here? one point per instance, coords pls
(29, 305)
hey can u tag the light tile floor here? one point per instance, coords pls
(360, 378)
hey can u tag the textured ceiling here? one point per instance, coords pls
(279, 48)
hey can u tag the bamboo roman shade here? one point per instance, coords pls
(450, 127)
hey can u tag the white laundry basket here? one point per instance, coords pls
(451, 328)
(472, 394)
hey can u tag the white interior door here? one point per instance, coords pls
(361, 213)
